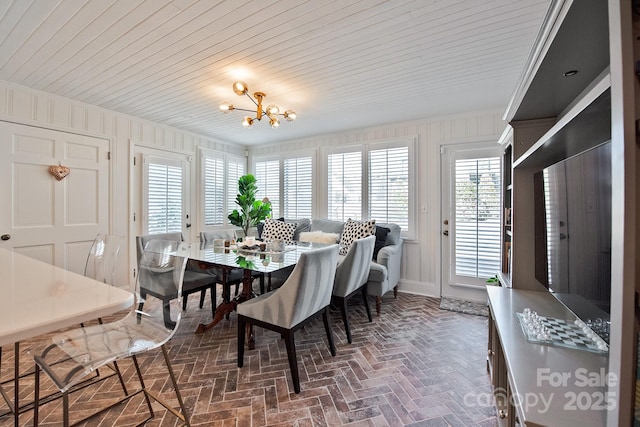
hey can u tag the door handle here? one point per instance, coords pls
(445, 232)
(5, 236)
(188, 225)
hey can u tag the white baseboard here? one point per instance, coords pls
(419, 288)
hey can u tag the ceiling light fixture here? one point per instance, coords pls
(272, 111)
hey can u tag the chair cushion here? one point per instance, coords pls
(381, 240)
(327, 225)
(354, 230)
(319, 237)
(278, 230)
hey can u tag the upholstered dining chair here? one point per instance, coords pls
(351, 277)
(76, 353)
(225, 278)
(195, 278)
(305, 295)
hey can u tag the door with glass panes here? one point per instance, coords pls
(470, 219)
(160, 194)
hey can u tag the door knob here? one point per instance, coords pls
(5, 236)
(445, 232)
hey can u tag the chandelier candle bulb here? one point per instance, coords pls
(272, 111)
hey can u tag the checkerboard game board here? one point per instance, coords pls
(562, 333)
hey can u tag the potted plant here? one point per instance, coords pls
(251, 211)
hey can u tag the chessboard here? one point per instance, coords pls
(561, 333)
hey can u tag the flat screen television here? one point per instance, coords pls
(573, 234)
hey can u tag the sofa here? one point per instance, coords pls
(384, 274)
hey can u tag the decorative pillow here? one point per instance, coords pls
(319, 237)
(278, 230)
(260, 227)
(381, 239)
(354, 230)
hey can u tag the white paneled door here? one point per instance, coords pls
(470, 220)
(52, 220)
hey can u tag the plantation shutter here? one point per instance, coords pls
(477, 217)
(164, 198)
(345, 186)
(298, 187)
(235, 169)
(268, 182)
(389, 186)
(214, 191)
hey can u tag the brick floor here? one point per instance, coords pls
(415, 365)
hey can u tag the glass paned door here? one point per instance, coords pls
(471, 219)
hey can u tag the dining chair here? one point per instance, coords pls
(102, 260)
(232, 277)
(352, 275)
(195, 278)
(305, 295)
(76, 353)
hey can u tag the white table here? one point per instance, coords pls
(37, 298)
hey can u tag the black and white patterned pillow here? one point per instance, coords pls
(354, 230)
(278, 230)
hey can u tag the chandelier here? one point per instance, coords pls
(272, 111)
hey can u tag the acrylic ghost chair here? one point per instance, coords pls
(76, 353)
(305, 295)
(352, 275)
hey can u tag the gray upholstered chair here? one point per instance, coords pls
(226, 278)
(303, 296)
(351, 277)
(195, 278)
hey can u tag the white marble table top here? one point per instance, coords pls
(37, 298)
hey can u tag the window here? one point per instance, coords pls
(268, 181)
(389, 186)
(477, 217)
(344, 186)
(220, 174)
(164, 180)
(235, 169)
(298, 187)
(213, 191)
(379, 189)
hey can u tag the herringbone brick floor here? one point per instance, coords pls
(415, 365)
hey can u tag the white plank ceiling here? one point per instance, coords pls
(340, 64)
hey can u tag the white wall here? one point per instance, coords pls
(421, 266)
(30, 107)
(421, 257)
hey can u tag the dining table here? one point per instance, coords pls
(257, 258)
(38, 298)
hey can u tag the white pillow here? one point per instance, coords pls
(319, 237)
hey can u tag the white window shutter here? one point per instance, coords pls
(477, 217)
(389, 186)
(268, 181)
(164, 197)
(298, 187)
(344, 186)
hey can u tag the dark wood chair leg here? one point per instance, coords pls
(327, 328)
(365, 297)
(378, 305)
(395, 291)
(241, 337)
(166, 314)
(213, 300)
(184, 302)
(203, 294)
(293, 361)
(345, 317)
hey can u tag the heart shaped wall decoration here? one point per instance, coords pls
(59, 172)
